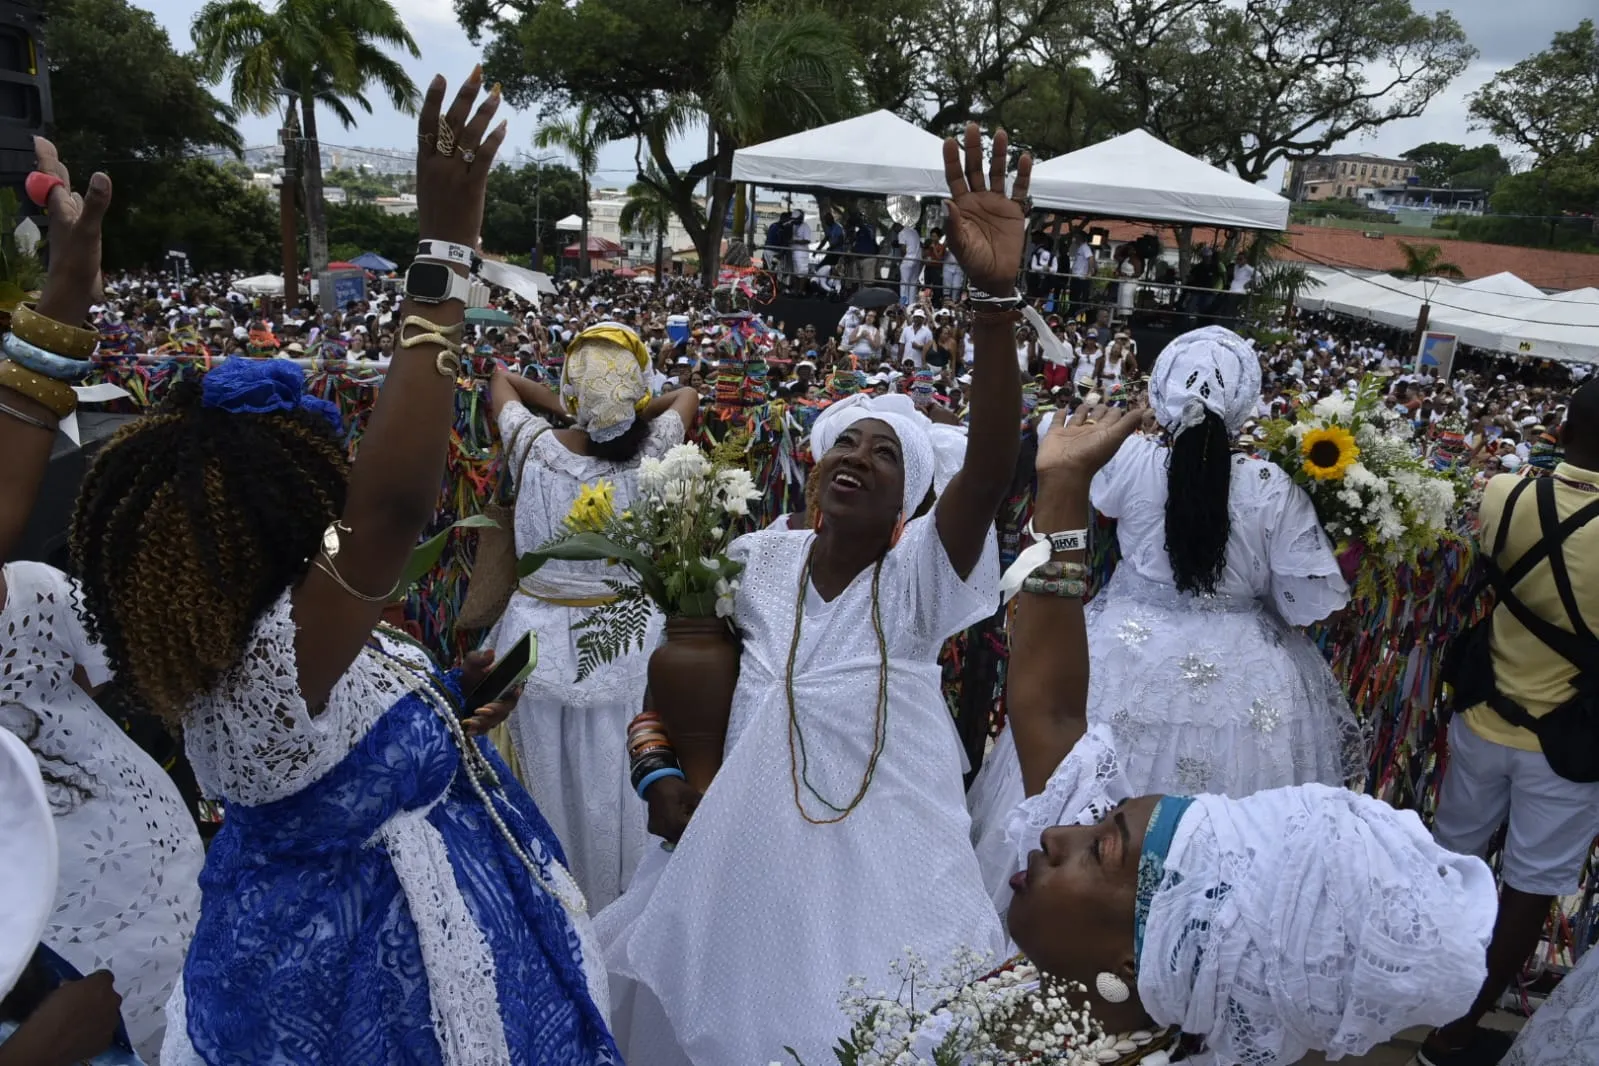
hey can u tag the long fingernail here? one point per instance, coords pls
(477, 72)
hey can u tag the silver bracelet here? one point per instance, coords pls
(23, 416)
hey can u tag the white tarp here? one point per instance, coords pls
(260, 285)
(1139, 176)
(570, 222)
(878, 153)
(1504, 283)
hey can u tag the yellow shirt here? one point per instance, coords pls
(1528, 670)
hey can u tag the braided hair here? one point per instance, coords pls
(190, 523)
(1198, 483)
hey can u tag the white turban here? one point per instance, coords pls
(1208, 369)
(1297, 919)
(933, 453)
(602, 380)
(1311, 918)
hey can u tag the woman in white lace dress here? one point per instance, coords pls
(129, 893)
(1296, 919)
(1565, 1029)
(1200, 670)
(381, 890)
(571, 735)
(834, 833)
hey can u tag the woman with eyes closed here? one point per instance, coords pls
(1295, 919)
(834, 833)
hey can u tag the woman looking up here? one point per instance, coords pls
(836, 825)
(570, 735)
(380, 890)
(1296, 919)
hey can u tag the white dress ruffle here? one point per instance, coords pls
(1565, 1030)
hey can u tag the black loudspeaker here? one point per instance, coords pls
(24, 90)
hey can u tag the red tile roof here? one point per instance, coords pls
(1332, 246)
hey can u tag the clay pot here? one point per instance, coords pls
(692, 678)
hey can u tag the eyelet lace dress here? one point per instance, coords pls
(1565, 1030)
(361, 903)
(570, 735)
(1204, 694)
(739, 943)
(129, 892)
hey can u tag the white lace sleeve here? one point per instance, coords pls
(252, 740)
(930, 596)
(1085, 786)
(665, 432)
(1306, 584)
(1109, 490)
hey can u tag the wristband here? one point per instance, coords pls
(657, 775)
(40, 361)
(1074, 540)
(449, 252)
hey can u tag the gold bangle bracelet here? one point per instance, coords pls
(453, 332)
(55, 395)
(57, 338)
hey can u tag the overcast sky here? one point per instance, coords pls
(1504, 31)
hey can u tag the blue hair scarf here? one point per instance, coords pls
(1163, 822)
(261, 387)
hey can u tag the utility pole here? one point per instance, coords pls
(289, 137)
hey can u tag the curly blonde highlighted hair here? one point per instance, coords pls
(190, 524)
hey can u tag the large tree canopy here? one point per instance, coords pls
(1549, 102)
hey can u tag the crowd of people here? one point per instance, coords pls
(401, 876)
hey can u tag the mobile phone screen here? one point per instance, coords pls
(505, 675)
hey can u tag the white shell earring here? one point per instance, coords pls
(1111, 989)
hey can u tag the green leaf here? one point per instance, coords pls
(590, 547)
(425, 556)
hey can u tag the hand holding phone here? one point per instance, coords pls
(505, 675)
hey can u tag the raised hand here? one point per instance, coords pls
(1077, 447)
(987, 229)
(453, 160)
(74, 281)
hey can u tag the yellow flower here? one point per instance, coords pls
(593, 509)
(1328, 453)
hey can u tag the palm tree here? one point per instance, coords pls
(580, 136)
(778, 72)
(307, 52)
(1425, 261)
(648, 211)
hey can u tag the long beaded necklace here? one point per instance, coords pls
(799, 762)
(479, 772)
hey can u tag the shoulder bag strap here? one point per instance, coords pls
(519, 460)
(1554, 529)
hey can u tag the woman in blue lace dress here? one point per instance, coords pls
(381, 890)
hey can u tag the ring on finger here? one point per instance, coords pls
(446, 139)
(425, 139)
(467, 156)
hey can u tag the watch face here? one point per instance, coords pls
(428, 281)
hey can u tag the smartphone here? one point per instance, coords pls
(503, 677)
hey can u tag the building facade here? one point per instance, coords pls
(1343, 177)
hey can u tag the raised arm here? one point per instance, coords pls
(987, 230)
(506, 387)
(394, 483)
(27, 422)
(1046, 690)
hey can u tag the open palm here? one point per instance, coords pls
(987, 229)
(1080, 445)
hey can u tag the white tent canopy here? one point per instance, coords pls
(1139, 176)
(878, 153)
(570, 222)
(1501, 313)
(260, 285)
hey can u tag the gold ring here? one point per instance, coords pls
(1089, 421)
(446, 139)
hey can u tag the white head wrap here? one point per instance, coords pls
(28, 855)
(1297, 919)
(603, 382)
(933, 453)
(1208, 369)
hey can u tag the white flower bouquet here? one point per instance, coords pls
(971, 1016)
(673, 538)
(1375, 494)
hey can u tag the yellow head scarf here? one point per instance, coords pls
(603, 382)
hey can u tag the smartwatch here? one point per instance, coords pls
(432, 281)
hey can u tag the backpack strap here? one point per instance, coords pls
(1580, 648)
(1549, 518)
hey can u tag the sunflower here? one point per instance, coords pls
(1328, 452)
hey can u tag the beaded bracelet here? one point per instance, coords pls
(40, 361)
(1058, 569)
(74, 342)
(1065, 587)
(55, 395)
